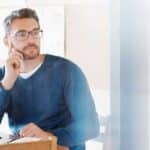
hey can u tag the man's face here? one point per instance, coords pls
(25, 37)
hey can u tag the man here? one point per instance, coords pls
(43, 95)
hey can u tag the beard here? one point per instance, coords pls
(29, 52)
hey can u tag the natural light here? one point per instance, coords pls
(53, 42)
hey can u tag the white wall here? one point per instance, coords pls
(87, 41)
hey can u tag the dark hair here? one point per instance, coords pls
(19, 14)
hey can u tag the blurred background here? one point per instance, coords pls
(108, 39)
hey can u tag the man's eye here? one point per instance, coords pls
(35, 32)
(21, 34)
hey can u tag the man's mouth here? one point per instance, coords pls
(31, 47)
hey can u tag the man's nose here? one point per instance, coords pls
(30, 38)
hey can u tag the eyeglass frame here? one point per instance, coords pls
(16, 34)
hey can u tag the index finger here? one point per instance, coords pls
(16, 52)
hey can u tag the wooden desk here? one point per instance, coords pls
(38, 145)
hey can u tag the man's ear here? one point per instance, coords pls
(7, 42)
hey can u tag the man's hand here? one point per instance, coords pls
(32, 130)
(13, 66)
(59, 147)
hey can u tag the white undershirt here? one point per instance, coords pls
(30, 73)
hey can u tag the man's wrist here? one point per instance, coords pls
(2, 86)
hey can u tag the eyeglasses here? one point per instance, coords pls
(23, 35)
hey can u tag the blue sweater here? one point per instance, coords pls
(56, 98)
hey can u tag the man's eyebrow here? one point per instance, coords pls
(23, 30)
(38, 28)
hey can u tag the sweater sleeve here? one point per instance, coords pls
(78, 98)
(4, 97)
